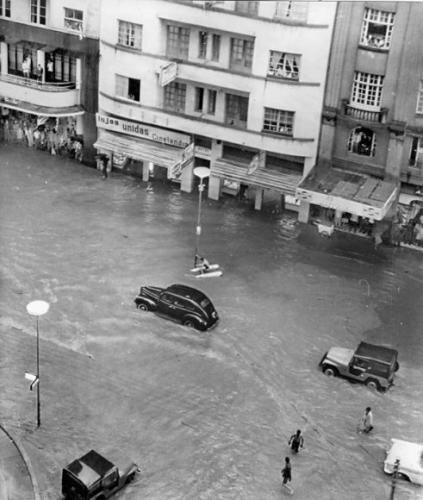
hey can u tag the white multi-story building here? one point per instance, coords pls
(48, 64)
(234, 86)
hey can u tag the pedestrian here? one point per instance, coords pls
(104, 160)
(296, 441)
(26, 66)
(286, 476)
(50, 70)
(366, 421)
(39, 72)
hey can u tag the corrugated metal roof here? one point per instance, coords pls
(268, 179)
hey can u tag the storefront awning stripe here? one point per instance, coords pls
(33, 109)
(262, 177)
(138, 149)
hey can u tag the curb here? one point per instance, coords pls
(26, 460)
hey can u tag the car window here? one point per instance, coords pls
(204, 303)
(166, 297)
(380, 369)
(360, 363)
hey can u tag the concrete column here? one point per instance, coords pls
(187, 178)
(78, 77)
(309, 163)
(327, 140)
(258, 202)
(304, 211)
(215, 187)
(215, 183)
(146, 170)
(393, 161)
(338, 217)
(41, 62)
(3, 58)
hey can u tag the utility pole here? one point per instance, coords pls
(394, 479)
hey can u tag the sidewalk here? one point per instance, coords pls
(16, 481)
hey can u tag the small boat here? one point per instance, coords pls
(210, 274)
(211, 267)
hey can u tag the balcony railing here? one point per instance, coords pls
(53, 94)
(364, 114)
(32, 82)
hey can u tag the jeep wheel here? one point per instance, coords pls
(142, 306)
(373, 384)
(330, 371)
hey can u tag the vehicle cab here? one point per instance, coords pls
(370, 364)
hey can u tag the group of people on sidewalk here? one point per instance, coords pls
(296, 441)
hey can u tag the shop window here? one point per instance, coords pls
(362, 141)
(284, 65)
(130, 34)
(211, 102)
(5, 8)
(215, 47)
(376, 30)
(129, 88)
(175, 96)
(241, 54)
(416, 153)
(236, 110)
(367, 90)
(246, 7)
(296, 11)
(202, 44)
(278, 121)
(74, 19)
(38, 11)
(177, 43)
(199, 98)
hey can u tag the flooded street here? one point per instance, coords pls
(206, 414)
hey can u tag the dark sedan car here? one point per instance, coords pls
(180, 303)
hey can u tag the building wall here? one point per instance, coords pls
(311, 40)
(402, 67)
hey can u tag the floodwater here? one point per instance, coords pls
(207, 415)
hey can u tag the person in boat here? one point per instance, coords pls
(201, 262)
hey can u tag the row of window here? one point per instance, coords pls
(281, 64)
(236, 106)
(73, 18)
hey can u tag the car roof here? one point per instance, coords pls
(187, 292)
(381, 353)
(409, 454)
(90, 467)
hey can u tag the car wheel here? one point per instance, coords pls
(330, 371)
(403, 476)
(142, 306)
(373, 384)
(189, 322)
(396, 367)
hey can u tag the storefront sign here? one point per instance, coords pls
(202, 152)
(187, 158)
(168, 73)
(143, 131)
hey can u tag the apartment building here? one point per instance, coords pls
(372, 123)
(49, 69)
(233, 86)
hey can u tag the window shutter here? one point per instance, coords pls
(121, 86)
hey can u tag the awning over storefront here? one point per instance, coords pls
(33, 109)
(262, 177)
(138, 149)
(351, 192)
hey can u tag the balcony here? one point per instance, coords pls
(364, 114)
(56, 95)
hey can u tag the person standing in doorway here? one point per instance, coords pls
(286, 476)
(104, 162)
(366, 421)
(50, 70)
(296, 441)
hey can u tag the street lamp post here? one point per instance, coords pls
(202, 173)
(38, 308)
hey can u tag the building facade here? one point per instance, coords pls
(49, 72)
(372, 121)
(233, 86)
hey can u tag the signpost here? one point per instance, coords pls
(168, 73)
(187, 157)
(258, 161)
